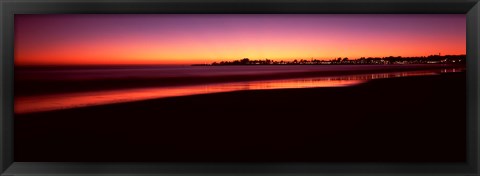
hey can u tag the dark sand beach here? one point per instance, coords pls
(408, 119)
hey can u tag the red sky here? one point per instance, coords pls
(187, 39)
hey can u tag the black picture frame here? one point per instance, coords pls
(8, 8)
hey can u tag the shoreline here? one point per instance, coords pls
(407, 119)
(41, 87)
(58, 101)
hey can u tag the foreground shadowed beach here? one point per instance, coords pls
(408, 119)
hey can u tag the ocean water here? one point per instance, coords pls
(122, 72)
(58, 101)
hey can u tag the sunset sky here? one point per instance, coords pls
(189, 39)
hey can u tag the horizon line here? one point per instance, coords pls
(211, 61)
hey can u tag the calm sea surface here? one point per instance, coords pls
(122, 72)
(40, 103)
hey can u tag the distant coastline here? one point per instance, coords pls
(432, 59)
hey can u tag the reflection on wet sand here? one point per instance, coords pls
(30, 104)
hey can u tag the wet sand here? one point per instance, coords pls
(59, 101)
(409, 119)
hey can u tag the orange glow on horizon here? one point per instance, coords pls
(198, 39)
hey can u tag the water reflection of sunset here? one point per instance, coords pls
(30, 104)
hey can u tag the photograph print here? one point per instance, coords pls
(240, 88)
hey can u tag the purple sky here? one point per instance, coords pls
(159, 38)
